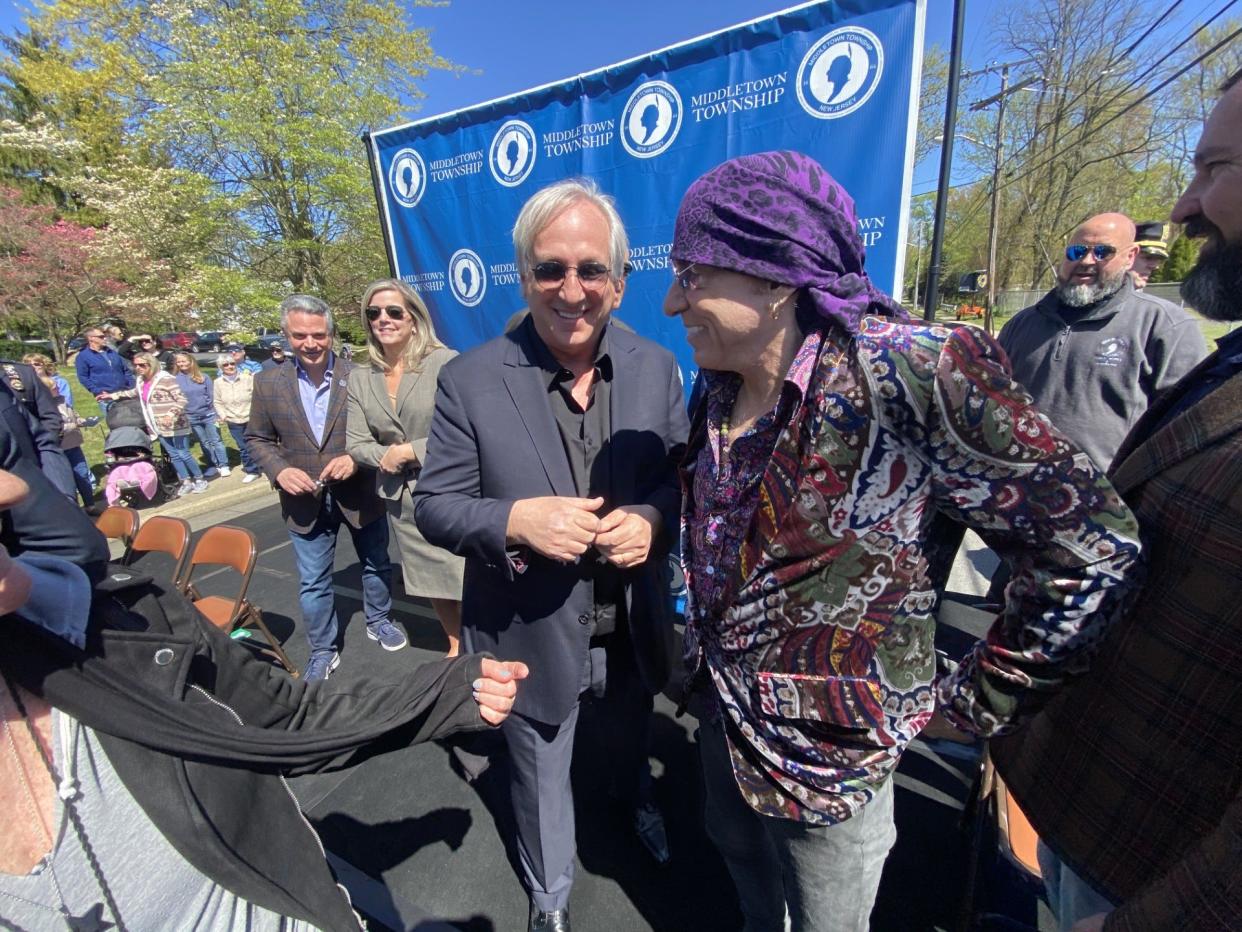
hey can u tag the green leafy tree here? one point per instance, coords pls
(1183, 253)
(266, 98)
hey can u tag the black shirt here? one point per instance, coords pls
(585, 434)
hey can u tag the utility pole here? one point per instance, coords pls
(997, 158)
(990, 310)
(932, 297)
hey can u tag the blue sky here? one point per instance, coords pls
(515, 45)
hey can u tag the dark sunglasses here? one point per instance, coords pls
(553, 272)
(141, 365)
(1078, 251)
(394, 312)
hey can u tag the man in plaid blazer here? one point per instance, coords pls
(297, 436)
(1133, 774)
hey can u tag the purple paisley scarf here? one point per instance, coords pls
(780, 217)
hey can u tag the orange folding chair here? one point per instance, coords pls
(233, 547)
(163, 534)
(1016, 838)
(117, 522)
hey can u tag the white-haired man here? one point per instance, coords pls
(551, 466)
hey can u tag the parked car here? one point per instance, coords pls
(75, 344)
(268, 335)
(181, 340)
(209, 341)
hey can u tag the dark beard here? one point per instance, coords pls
(1214, 285)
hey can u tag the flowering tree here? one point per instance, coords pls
(55, 279)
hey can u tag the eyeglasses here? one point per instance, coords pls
(550, 274)
(141, 365)
(688, 278)
(394, 312)
(1078, 251)
(228, 365)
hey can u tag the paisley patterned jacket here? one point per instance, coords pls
(822, 655)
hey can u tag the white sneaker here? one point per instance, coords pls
(249, 477)
(224, 471)
(199, 486)
(186, 487)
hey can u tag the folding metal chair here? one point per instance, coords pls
(235, 548)
(117, 522)
(163, 534)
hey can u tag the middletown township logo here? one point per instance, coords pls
(1111, 352)
(651, 119)
(840, 72)
(407, 177)
(512, 153)
(467, 277)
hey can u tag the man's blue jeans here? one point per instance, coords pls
(238, 433)
(315, 554)
(1069, 895)
(209, 439)
(81, 474)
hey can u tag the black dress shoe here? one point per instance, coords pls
(649, 827)
(556, 920)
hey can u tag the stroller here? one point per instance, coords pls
(135, 475)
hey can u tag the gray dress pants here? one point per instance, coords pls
(539, 763)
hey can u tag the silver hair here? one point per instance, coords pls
(223, 358)
(307, 304)
(544, 206)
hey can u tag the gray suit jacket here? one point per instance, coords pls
(372, 426)
(494, 440)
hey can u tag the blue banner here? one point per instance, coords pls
(838, 81)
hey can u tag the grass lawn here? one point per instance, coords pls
(93, 437)
(1213, 330)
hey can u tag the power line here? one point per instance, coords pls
(1125, 89)
(1149, 94)
(1150, 29)
(1120, 113)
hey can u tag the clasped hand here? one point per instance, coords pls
(297, 482)
(565, 528)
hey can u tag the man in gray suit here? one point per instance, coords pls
(551, 466)
(296, 434)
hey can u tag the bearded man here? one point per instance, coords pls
(1132, 775)
(1094, 352)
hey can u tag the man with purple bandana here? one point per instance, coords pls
(831, 444)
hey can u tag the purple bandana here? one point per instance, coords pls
(780, 217)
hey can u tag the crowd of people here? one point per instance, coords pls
(177, 402)
(832, 456)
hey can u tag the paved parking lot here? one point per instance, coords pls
(406, 819)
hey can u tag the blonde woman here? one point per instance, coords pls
(390, 407)
(200, 408)
(233, 390)
(45, 367)
(164, 407)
